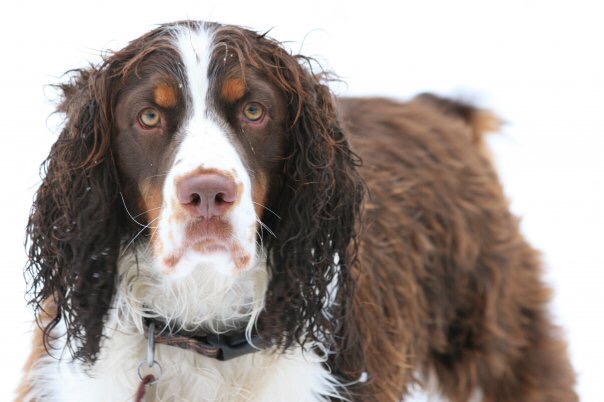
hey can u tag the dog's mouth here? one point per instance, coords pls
(203, 244)
(210, 246)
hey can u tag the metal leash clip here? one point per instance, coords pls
(150, 361)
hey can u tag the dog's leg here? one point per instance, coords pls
(516, 355)
(26, 387)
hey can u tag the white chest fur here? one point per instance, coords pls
(187, 376)
(205, 297)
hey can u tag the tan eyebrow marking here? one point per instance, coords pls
(233, 89)
(165, 96)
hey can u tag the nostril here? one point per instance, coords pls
(207, 195)
(195, 199)
(220, 199)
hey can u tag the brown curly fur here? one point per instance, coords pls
(442, 282)
(447, 285)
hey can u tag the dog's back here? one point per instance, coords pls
(447, 283)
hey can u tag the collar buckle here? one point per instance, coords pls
(232, 346)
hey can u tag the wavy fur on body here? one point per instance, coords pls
(431, 285)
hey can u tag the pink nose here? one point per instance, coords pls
(206, 195)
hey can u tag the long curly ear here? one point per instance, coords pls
(73, 227)
(319, 204)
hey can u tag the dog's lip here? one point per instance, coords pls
(203, 230)
(209, 245)
(202, 246)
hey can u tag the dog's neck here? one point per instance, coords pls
(206, 299)
(223, 346)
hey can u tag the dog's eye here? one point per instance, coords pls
(149, 118)
(253, 111)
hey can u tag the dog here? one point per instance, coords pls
(214, 225)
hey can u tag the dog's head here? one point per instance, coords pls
(207, 147)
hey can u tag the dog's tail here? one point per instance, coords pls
(480, 121)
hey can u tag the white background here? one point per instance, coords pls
(539, 64)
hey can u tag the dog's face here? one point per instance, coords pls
(205, 149)
(198, 135)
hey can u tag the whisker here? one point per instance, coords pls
(138, 234)
(129, 214)
(156, 175)
(248, 141)
(261, 236)
(260, 245)
(263, 226)
(268, 209)
(153, 233)
(149, 210)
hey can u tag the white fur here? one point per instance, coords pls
(187, 376)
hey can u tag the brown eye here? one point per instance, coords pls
(253, 111)
(149, 118)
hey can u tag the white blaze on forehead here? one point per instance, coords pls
(195, 48)
(205, 145)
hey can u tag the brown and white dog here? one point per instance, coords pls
(208, 184)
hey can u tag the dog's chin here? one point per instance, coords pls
(215, 257)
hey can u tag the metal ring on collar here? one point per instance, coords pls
(156, 377)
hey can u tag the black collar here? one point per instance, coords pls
(221, 347)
